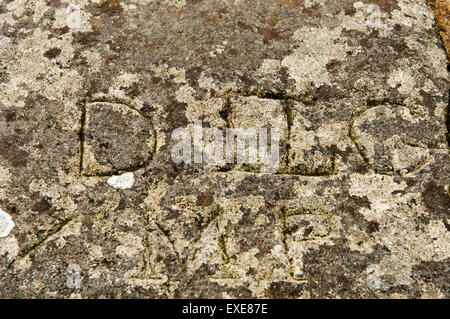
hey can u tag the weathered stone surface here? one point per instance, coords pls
(92, 90)
(441, 9)
(114, 138)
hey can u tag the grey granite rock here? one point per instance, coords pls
(90, 90)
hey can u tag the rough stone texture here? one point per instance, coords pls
(441, 9)
(90, 89)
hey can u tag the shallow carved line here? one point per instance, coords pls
(50, 232)
(361, 149)
(286, 101)
(81, 134)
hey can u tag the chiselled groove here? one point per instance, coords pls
(447, 122)
(287, 108)
(270, 95)
(81, 134)
(287, 102)
(227, 258)
(168, 236)
(352, 135)
(117, 100)
(147, 265)
(223, 248)
(319, 172)
(285, 232)
(226, 111)
(204, 224)
(363, 151)
(52, 231)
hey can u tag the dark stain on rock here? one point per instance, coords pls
(362, 202)
(10, 115)
(427, 100)
(272, 19)
(248, 82)
(361, 168)
(436, 272)
(292, 3)
(147, 109)
(313, 11)
(192, 75)
(52, 53)
(93, 84)
(111, 8)
(205, 199)
(344, 154)
(386, 5)
(400, 48)
(270, 34)
(233, 51)
(53, 3)
(122, 204)
(348, 210)
(12, 153)
(350, 10)
(398, 27)
(323, 92)
(436, 200)
(446, 224)
(59, 31)
(366, 42)
(132, 91)
(329, 277)
(42, 205)
(331, 66)
(373, 227)
(177, 115)
(284, 289)
(308, 230)
(86, 38)
(244, 26)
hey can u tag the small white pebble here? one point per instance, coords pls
(6, 223)
(123, 181)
